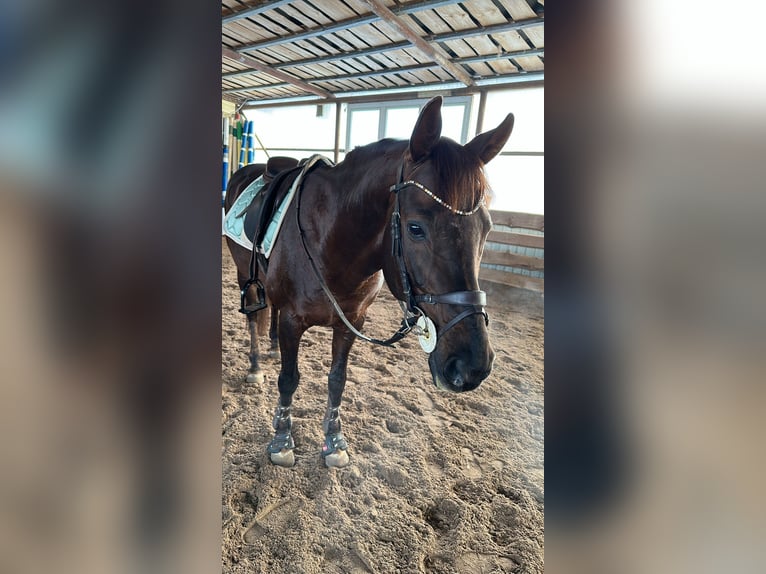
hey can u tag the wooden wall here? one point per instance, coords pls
(514, 253)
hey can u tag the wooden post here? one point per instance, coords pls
(482, 109)
(337, 132)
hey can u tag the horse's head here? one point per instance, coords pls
(444, 223)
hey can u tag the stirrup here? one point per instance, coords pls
(261, 297)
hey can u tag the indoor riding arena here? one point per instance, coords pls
(437, 481)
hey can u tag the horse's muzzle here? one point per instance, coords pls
(458, 375)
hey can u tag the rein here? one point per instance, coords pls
(412, 312)
(408, 322)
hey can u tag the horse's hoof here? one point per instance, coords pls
(256, 377)
(338, 459)
(284, 457)
(274, 354)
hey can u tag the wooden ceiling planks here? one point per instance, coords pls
(483, 45)
(256, 30)
(362, 51)
(536, 35)
(430, 22)
(511, 41)
(359, 37)
(338, 10)
(392, 34)
(518, 9)
(307, 13)
(231, 6)
(370, 64)
(280, 24)
(235, 35)
(401, 58)
(463, 50)
(530, 63)
(485, 12)
(455, 16)
(458, 19)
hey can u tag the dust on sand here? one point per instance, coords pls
(438, 482)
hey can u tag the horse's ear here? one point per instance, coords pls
(489, 144)
(427, 130)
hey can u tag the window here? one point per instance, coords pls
(517, 175)
(399, 122)
(368, 123)
(363, 128)
(297, 131)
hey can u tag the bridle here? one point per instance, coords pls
(474, 300)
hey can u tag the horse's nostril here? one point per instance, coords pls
(455, 372)
(462, 375)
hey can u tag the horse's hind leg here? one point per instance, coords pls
(282, 445)
(274, 333)
(335, 448)
(254, 373)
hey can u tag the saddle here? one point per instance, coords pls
(256, 220)
(260, 211)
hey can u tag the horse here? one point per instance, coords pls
(410, 213)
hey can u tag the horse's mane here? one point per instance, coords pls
(459, 172)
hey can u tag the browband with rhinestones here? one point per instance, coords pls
(436, 198)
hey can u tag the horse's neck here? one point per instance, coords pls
(363, 212)
(371, 192)
(373, 173)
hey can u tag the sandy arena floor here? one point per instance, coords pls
(438, 482)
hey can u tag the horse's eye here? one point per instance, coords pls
(416, 231)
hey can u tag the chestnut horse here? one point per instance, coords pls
(411, 212)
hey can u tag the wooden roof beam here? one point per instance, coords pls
(435, 53)
(279, 74)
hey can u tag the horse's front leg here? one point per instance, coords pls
(282, 445)
(335, 448)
